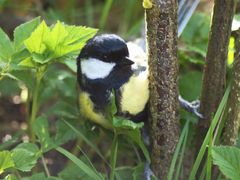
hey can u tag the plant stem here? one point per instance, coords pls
(17, 174)
(45, 167)
(209, 156)
(35, 106)
(113, 160)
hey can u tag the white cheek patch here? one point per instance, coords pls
(96, 69)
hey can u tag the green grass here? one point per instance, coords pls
(207, 139)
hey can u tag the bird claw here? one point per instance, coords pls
(192, 107)
(148, 173)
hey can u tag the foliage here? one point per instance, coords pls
(23, 157)
(35, 50)
(228, 160)
(38, 64)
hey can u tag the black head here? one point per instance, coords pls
(103, 64)
(107, 48)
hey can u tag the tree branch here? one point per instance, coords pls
(163, 67)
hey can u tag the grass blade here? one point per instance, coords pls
(177, 151)
(180, 165)
(209, 156)
(87, 158)
(84, 167)
(85, 139)
(105, 13)
(113, 161)
(89, 12)
(206, 140)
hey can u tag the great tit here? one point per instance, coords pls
(108, 64)
(102, 66)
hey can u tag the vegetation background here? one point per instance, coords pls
(59, 93)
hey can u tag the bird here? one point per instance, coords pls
(109, 67)
(102, 66)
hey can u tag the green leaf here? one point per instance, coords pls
(35, 43)
(113, 105)
(28, 62)
(38, 176)
(119, 122)
(79, 34)
(64, 109)
(138, 172)
(61, 41)
(125, 172)
(56, 40)
(71, 64)
(64, 133)
(72, 172)
(26, 77)
(5, 160)
(84, 137)
(25, 156)
(40, 128)
(6, 47)
(89, 171)
(17, 58)
(228, 160)
(23, 31)
(135, 135)
(10, 177)
(41, 176)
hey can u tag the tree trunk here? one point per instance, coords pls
(214, 77)
(232, 123)
(161, 22)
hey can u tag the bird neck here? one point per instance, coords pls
(100, 95)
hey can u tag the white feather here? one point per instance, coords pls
(96, 69)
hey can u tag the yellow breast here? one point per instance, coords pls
(87, 111)
(135, 94)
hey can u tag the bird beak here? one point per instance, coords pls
(128, 61)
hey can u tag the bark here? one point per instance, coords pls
(214, 77)
(161, 22)
(232, 123)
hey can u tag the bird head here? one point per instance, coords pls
(105, 60)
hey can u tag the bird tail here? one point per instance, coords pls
(185, 10)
